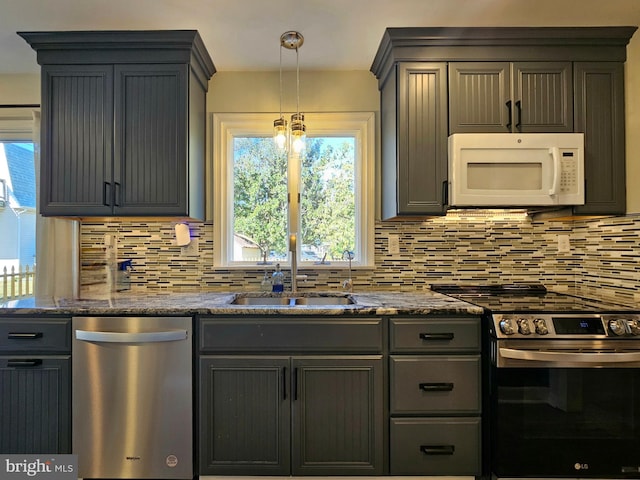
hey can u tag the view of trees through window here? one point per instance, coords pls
(260, 200)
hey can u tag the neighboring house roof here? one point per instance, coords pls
(23, 175)
(244, 241)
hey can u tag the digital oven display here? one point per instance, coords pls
(578, 325)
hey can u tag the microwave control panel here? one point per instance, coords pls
(568, 172)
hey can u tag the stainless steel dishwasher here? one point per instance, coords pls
(132, 397)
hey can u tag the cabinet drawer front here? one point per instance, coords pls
(259, 334)
(435, 384)
(34, 335)
(435, 335)
(435, 446)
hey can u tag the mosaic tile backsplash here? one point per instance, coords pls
(602, 254)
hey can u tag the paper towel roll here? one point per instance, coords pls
(183, 237)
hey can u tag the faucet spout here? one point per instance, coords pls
(348, 283)
(294, 263)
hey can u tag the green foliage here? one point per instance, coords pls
(327, 194)
(260, 193)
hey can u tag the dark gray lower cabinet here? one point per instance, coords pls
(435, 446)
(35, 404)
(301, 415)
(245, 415)
(435, 400)
(35, 388)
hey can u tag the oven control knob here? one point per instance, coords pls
(507, 326)
(634, 326)
(617, 326)
(541, 326)
(523, 326)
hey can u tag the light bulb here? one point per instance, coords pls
(298, 132)
(280, 133)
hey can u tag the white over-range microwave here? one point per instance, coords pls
(516, 169)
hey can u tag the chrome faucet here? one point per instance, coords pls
(348, 283)
(294, 264)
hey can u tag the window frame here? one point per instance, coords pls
(226, 126)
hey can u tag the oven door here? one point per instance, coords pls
(571, 411)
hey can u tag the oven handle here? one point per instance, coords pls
(586, 358)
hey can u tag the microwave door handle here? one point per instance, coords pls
(555, 155)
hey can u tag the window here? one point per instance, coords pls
(324, 196)
(17, 215)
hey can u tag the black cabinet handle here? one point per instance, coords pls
(106, 194)
(24, 335)
(118, 193)
(438, 449)
(24, 363)
(436, 387)
(295, 384)
(509, 122)
(445, 192)
(437, 336)
(519, 108)
(284, 383)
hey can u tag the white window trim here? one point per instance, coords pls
(226, 126)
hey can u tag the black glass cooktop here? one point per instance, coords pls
(532, 298)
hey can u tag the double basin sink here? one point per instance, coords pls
(293, 301)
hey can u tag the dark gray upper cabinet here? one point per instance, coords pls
(414, 140)
(123, 122)
(499, 97)
(599, 111)
(500, 79)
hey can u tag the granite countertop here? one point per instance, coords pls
(190, 303)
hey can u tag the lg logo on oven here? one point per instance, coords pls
(581, 466)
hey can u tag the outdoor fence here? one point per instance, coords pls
(17, 283)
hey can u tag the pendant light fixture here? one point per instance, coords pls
(295, 138)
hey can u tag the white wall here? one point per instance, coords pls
(19, 89)
(320, 91)
(632, 112)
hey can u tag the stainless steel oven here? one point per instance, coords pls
(562, 377)
(565, 396)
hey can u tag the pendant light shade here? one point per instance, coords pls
(280, 133)
(298, 132)
(291, 136)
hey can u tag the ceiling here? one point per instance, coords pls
(244, 35)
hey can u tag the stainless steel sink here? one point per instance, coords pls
(324, 301)
(293, 301)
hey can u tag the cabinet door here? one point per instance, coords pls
(337, 415)
(244, 416)
(35, 409)
(499, 97)
(77, 131)
(543, 97)
(422, 138)
(599, 112)
(480, 97)
(150, 157)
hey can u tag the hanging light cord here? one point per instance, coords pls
(297, 82)
(280, 80)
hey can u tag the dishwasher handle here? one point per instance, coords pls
(132, 337)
